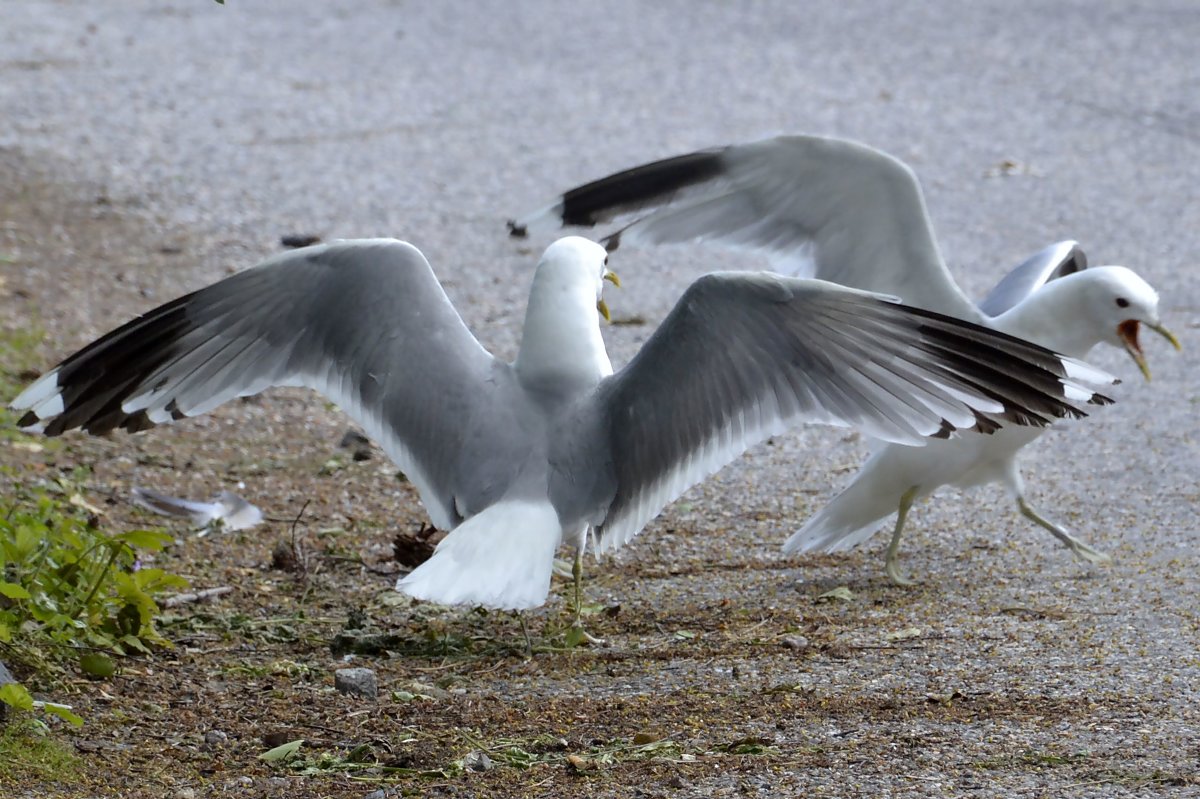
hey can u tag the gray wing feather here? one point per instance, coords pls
(1055, 261)
(819, 207)
(743, 355)
(365, 323)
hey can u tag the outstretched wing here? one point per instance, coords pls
(1055, 261)
(745, 354)
(365, 323)
(819, 207)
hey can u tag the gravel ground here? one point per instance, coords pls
(150, 148)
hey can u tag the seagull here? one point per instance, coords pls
(517, 458)
(842, 211)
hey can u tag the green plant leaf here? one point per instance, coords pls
(97, 664)
(14, 591)
(574, 637)
(63, 712)
(151, 540)
(14, 694)
(283, 752)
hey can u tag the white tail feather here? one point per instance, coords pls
(852, 516)
(500, 558)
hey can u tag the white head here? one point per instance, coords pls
(1119, 302)
(573, 264)
(561, 343)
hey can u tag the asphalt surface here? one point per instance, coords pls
(1027, 122)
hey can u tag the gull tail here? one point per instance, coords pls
(848, 519)
(500, 558)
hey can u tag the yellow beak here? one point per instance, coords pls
(1127, 331)
(601, 305)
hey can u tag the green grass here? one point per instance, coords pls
(29, 752)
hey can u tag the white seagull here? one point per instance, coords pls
(841, 211)
(515, 458)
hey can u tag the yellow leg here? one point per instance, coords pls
(892, 566)
(1072, 543)
(577, 624)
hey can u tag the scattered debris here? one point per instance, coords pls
(367, 645)
(297, 240)
(904, 635)
(215, 737)
(478, 761)
(580, 764)
(190, 597)
(357, 682)
(840, 594)
(1010, 167)
(382, 793)
(361, 448)
(226, 510)
(284, 557)
(413, 549)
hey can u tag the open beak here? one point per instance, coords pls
(601, 305)
(1127, 331)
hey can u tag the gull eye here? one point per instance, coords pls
(606, 264)
(1122, 302)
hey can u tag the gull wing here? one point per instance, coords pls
(1055, 261)
(820, 207)
(365, 323)
(743, 355)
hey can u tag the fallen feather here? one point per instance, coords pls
(196, 596)
(227, 509)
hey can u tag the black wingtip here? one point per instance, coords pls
(517, 231)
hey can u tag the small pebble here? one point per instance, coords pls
(357, 681)
(215, 737)
(382, 793)
(796, 642)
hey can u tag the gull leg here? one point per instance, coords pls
(525, 632)
(892, 566)
(1072, 543)
(577, 624)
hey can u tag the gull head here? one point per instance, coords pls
(561, 346)
(575, 262)
(1120, 302)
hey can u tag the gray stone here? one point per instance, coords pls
(478, 761)
(382, 793)
(215, 737)
(357, 681)
(5, 678)
(796, 642)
